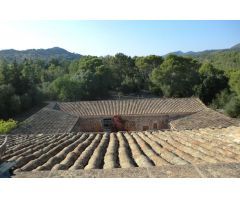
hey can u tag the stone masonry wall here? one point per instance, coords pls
(131, 123)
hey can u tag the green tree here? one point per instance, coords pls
(213, 81)
(125, 75)
(176, 76)
(234, 81)
(4, 72)
(94, 78)
(9, 101)
(65, 89)
(232, 108)
(53, 72)
(145, 66)
(221, 99)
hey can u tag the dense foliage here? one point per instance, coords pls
(213, 81)
(6, 126)
(24, 84)
(176, 76)
(18, 87)
(226, 59)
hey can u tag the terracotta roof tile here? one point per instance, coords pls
(203, 119)
(39, 152)
(132, 106)
(47, 120)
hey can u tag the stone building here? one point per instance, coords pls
(124, 115)
(130, 114)
(66, 139)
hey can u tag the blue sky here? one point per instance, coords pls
(129, 37)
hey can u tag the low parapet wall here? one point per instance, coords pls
(220, 170)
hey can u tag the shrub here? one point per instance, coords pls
(6, 126)
(222, 99)
(232, 108)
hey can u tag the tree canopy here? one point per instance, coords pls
(145, 66)
(176, 76)
(213, 81)
(27, 83)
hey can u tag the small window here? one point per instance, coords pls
(145, 128)
(155, 126)
(107, 124)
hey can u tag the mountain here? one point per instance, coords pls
(178, 53)
(220, 58)
(237, 46)
(42, 54)
(198, 53)
(195, 53)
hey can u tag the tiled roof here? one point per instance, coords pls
(204, 119)
(40, 152)
(61, 117)
(47, 120)
(132, 106)
(3, 142)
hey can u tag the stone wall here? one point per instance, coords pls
(140, 123)
(131, 123)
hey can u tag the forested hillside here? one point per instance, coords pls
(27, 82)
(225, 59)
(41, 54)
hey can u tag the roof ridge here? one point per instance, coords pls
(133, 99)
(133, 106)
